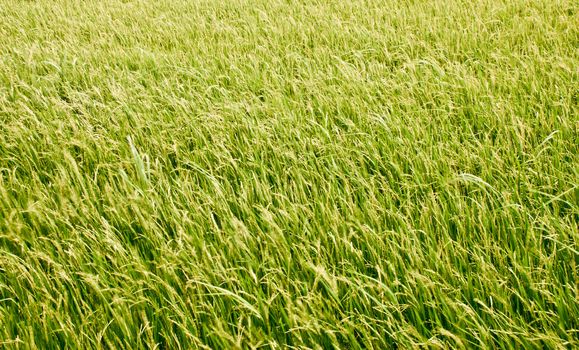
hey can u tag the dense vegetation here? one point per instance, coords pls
(289, 173)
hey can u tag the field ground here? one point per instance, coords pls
(289, 174)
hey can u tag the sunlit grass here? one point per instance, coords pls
(289, 174)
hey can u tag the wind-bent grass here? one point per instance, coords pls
(289, 174)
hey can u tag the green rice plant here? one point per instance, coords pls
(246, 174)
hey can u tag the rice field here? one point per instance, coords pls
(289, 174)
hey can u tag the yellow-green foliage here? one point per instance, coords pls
(289, 174)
